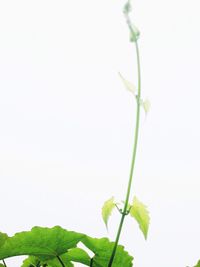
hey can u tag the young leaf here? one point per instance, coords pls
(129, 86)
(102, 249)
(107, 209)
(134, 33)
(140, 213)
(146, 105)
(44, 243)
(127, 8)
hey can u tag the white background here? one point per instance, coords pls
(66, 121)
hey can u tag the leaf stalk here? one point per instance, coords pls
(4, 263)
(61, 262)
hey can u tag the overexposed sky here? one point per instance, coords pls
(66, 121)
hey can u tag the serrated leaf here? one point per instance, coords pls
(134, 33)
(140, 213)
(146, 105)
(129, 86)
(107, 209)
(102, 248)
(44, 243)
(198, 264)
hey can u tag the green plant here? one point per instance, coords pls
(198, 264)
(55, 246)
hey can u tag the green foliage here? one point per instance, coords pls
(31, 261)
(78, 255)
(3, 238)
(56, 262)
(107, 209)
(140, 213)
(102, 248)
(198, 264)
(56, 247)
(45, 243)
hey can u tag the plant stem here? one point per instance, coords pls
(124, 213)
(4, 263)
(61, 262)
(91, 262)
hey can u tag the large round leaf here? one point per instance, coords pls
(45, 243)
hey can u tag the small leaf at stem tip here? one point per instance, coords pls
(107, 209)
(140, 213)
(127, 8)
(129, 86)
(134, 33)
(146, 105)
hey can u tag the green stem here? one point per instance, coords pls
(124, 213)
(61, 262)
